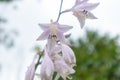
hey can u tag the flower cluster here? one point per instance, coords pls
(58, 56)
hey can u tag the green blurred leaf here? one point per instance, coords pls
(97, 57)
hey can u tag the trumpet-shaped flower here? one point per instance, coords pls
(47, 67)
(53, 31)
(81, 10)
(61, 67)
(31, 70)
(68, 55)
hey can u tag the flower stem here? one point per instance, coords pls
(60, 10)
(38, 62)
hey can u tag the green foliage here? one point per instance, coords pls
(98, 57)
(7, 39)
(5, 0)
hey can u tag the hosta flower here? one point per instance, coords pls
(47, 67)
(54, 30)
(62, 68)
(31, 70)
(82, 9)
(80, 1)
(68, 55)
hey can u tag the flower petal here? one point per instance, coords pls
(80, 2)
(68, 55)
(60, 35)
(31, 70)
(81, 18)
(47, 67)
(91, 16)
(56, 49)
(61, 67)
(88, 6)
(44, 35)
(50, 45)
(44, 26)
(64, 28)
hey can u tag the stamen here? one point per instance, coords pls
(53, 37)
(85, 11)
(82, 13)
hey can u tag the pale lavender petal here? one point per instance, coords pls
(53, 48)
(88, 6)
(56, 49)
(78, 2)
(47, 67)
(50, 45)
(61, 67)
(65, 54)
(81, 18)
(44, 26)
(68, 55)
(31, 70)
(60, 35)
(64, 28)
(44, 35)
(82, 21)
(91, 16)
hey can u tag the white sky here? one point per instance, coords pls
(25, 19)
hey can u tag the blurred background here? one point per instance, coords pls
(96, 46)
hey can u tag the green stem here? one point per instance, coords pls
(38, 62)
(60, 11)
